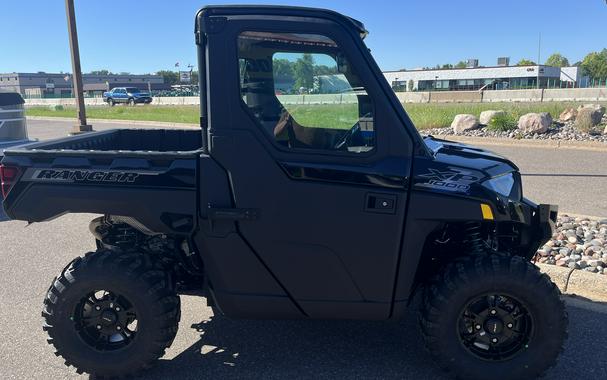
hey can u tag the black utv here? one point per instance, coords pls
(306, 193)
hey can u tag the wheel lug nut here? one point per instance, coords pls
(117, 308)
(493, 312)
(97, 307)
(494, 340)
(509, 325)
(98, 327)
(478, 327)
(118, 328)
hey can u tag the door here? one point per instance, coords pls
(310, 143)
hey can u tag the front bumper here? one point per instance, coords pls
(143, 100)
(545, 220)
(540, 226)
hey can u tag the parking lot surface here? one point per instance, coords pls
(211, 347)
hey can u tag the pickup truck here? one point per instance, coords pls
(274, 210)
(127, 95)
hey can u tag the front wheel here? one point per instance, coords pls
(111, 314)
(110, 102)
(494, 317)
(132, 102)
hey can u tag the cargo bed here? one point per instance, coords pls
(162, 141)
(150, 174)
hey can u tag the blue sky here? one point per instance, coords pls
(404, 34)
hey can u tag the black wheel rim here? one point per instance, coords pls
(106, 320)
(495, 327)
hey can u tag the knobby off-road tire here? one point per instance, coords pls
(517, 335)
(102, 292)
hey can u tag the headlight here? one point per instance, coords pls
(502, 185)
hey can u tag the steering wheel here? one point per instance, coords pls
(346, 140)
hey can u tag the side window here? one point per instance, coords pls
(304, 93)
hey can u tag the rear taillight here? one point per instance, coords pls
(8, 177)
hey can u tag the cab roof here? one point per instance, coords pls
(280, 10)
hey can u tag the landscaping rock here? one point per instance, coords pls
(597, 107)
(535, 122)
(588, 252)
(605, 130)
(464, 122)
(568, 115)
(592, 114)
(486, 116)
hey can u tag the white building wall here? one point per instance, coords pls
(481, 73)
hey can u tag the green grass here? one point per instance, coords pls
(423, 115)
(436, 115)
(175, 114)
(502, 122)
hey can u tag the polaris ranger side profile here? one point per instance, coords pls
(306, 193)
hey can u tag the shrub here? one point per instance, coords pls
(56, 107)
(584, 121)
(502, 123)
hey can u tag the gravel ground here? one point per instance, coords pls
(578, 243)
(557, 131)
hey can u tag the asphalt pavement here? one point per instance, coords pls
(215, 347)
(210, 346)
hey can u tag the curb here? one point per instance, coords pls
(575, 282)
(119, 121)
(546, 144)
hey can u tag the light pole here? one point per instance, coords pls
(435, 82)
(77, 74)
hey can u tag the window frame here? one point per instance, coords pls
(307, 151)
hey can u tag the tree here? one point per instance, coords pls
(324, 70)
(447, 66)
(525, 62)
(303, 69)
(170, 77)
(557, 60)
(410, 85)
(101, 72)
(461, 65)
(283, 69)
(595, 64)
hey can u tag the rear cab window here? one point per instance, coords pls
(303, 93)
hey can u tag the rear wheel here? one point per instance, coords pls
(493, 317)
(111, 314)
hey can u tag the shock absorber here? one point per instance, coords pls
(473, 240)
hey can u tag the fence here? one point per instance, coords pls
(534, 95)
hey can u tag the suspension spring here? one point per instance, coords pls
(473, 241)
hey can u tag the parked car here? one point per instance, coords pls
(270, 217)
(127, 95)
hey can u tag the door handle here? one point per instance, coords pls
(380, 203)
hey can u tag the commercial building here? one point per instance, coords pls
(60, 85)
(490, 78)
